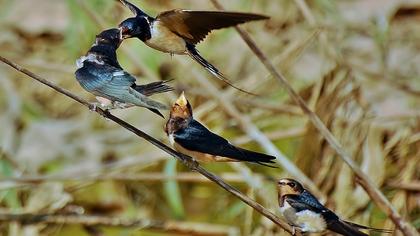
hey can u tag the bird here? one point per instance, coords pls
(191, 138)
(301, 209)
(99, 73)
(178, 31)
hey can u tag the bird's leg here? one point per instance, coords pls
(93, 106)
(105, 103)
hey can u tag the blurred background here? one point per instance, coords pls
(356, 63)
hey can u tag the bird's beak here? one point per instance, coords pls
(182, 101)
(122, 31)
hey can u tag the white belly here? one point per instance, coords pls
(164, 40)
(306, 220)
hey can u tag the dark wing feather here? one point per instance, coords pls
(193, 26)
(344, 229)
(306, 201)
(388, 231)
(198, 138)
(104, 80)
(136, 11)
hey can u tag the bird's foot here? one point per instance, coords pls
(93, 106)
(190, 162)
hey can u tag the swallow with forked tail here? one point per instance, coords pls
(302, 210)
(190, 137)
(178, 31)
(100, 74)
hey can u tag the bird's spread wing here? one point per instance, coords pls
(198, 138)
(193, 26)
(136, 11)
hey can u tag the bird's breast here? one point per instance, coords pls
(89, 57)
(165, 40)
(306, 220)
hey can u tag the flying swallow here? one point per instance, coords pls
(100, 74)
(302, 210)
(178, 31)
(190, 137)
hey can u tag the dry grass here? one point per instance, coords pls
(360, 75)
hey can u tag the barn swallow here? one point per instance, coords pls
(100, 74)
(190, 137)
(178, 31)
(302, 210)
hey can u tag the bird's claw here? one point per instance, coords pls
(93, 106)
(190, 162)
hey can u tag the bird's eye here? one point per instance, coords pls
(292, 185)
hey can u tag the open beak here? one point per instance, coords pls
(181, 101)
(122, 31)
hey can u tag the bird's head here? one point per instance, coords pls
(288, 186)
(137, 27)
(109, 37)
(180, 115)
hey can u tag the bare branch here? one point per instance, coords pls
(375, 194)
(186, 160)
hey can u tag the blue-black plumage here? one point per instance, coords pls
(302, 210)
(100, 74)
(190, 137)
(178, 31)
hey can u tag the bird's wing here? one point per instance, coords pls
(306, 201)
(198, 138)
(104, 79)
(345, 229)
(388, 231)
(136, 11)
(193, 26)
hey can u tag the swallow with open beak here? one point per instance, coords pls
(302, 210)
(178, 31)
(100, 74)
(191, 138)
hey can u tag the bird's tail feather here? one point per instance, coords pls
(256, 157)
(153, 88)
(345, 229)
(388, 231)
(140, 99)
(193, 53)
(157, 112)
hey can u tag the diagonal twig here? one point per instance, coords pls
(375, 194)
(186, 160)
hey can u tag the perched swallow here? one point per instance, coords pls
(190, 137)
(178, 31)
(100, 74)
(302, 210)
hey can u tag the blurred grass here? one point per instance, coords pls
(363, 80)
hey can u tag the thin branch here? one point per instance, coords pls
(409, 186)
(173, 227)
(375, 194)
(145, 177)
(252, 131)
(186, 160)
